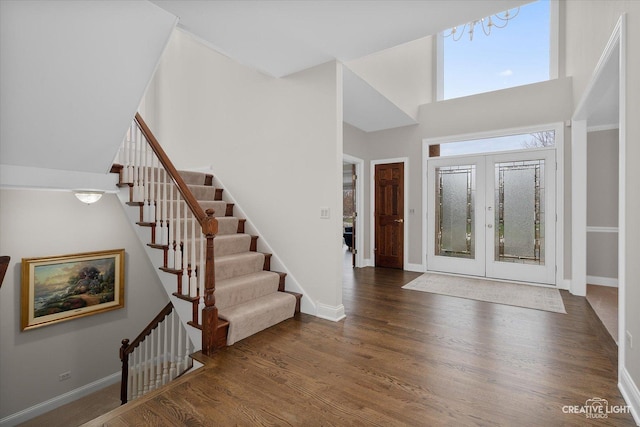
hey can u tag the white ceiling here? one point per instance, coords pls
(283, 37)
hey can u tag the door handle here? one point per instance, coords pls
(399, 220)
(490, 225)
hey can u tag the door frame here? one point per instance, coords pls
(359, 230)
(559, 128)
(372, 207)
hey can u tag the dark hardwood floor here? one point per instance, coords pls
(400, 357)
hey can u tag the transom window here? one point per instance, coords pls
(515, 55)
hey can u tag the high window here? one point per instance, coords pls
(518, 54)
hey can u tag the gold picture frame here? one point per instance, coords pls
(60, 288)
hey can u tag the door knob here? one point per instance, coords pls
(399, 220)
(490, 225)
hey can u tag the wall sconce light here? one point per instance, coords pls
(88, 196)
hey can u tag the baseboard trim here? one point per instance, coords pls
(611, 282)
(418, 268)
(328, 312)
(56, 402)
(368, 262)
(630, 393)
(564, 284)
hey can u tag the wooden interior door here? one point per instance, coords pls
(389, 215)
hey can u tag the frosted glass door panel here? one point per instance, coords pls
(454, 211)
(519, 212)
(520, 243)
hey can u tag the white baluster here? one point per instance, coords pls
(131, 381)
(172, 367)
(201, 273)
(164, 224)
(159, 353)
(136, 172)
(139, 379)
(185, 250)
(180, 347)
(178, 260)
(171, 221)
(152, 188)
(145, 366)
(186, 350)
(165, 362)
(144, 187)
(193, 280)
(152, 359)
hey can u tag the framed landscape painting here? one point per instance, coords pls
(55, 289)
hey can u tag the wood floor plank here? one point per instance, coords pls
(400, 358)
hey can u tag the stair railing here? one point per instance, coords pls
(178, 223)
(158, 355)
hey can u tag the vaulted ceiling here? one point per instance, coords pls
(283, 37)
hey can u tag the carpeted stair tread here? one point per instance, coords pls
(256, 315)
(193, 178)
(238, 264)
(227, 225)
(240, 289)
(228, 244)
(203, 192)
(219, 207)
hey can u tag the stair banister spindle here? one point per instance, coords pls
(201, 270)
(186, 261)
(136, 168)
(164, 215)
(144, 184)
(171, 228)
(193, 281)
(145, 366)
(152, 360)
(179, 350)
(165, 359)
(158, 361)
(177, 237)
(155, 172)
(172, 366)
(139, 377)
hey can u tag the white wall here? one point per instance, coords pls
(403, 73)
(72, 74)
(47, 223)
(589, 26)
(602, 207)
(276, 144)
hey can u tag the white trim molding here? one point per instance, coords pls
(594, 229)
(611, 282)
(329, 312)
(630, 393)
(418, 268)
(56, 402)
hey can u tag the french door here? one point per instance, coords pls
(493, 215)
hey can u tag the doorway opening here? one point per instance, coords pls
(352, 202)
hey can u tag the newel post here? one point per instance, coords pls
(124, 381)
(210, 311)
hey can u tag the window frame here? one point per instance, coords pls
(554, 53)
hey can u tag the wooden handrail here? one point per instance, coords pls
(4, 264)
(209, 225)
(205, 221)
(127, 348)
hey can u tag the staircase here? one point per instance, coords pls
(236, 283)
(249, 295)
